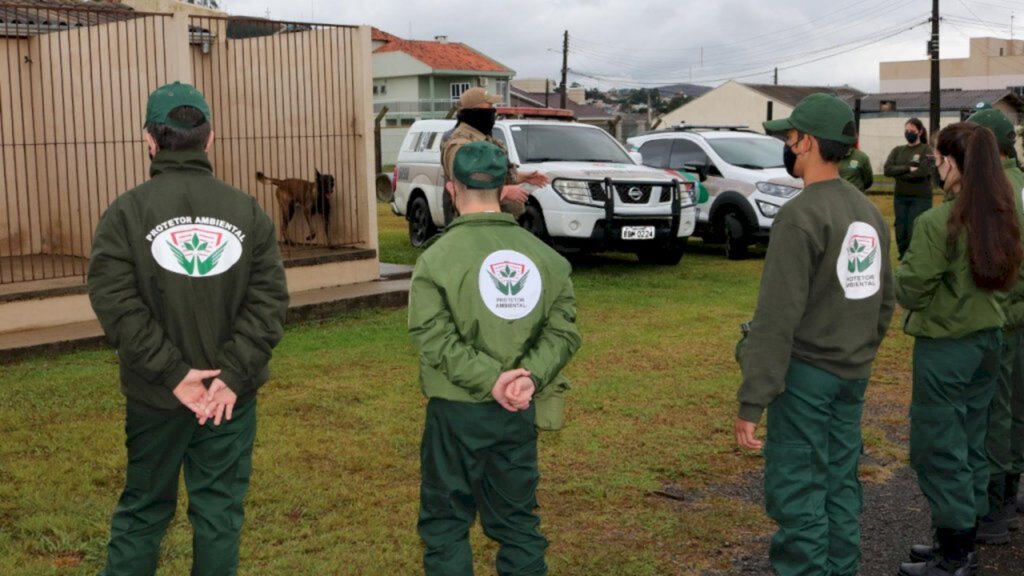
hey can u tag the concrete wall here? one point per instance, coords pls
(730, 103)
(880, 133)
(992, 64)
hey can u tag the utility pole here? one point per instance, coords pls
(565, 66)
(776, 81)
(933, 124)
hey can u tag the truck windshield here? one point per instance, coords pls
(756, 153)
(566, 143)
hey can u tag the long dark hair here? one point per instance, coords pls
(923, 138)
(984, 206)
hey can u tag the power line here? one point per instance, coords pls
(796, 60)
(783, 43)
(761, 59)
(774, 33)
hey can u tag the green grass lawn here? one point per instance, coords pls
(335, 483)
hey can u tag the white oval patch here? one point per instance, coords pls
(859, 266)
(196, 250)
(510, 284)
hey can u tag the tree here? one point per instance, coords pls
(676, 101)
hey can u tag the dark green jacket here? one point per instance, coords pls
(826, 293)
(185, 273)
(911, 182)
(487, 297)
(1014, 306)
(936, 286)
(855, 168)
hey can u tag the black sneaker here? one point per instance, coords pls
(936, 568)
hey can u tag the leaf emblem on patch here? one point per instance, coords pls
(861, 253)
(197, 251)
(509, 277)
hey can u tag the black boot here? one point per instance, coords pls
(955, 556)
(1010, 501)
(992, 528)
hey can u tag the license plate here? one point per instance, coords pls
(638, 232)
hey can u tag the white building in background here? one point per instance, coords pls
(991, 64)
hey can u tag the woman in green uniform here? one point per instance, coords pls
(963, 253)
(911, 168)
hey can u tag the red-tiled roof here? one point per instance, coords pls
(376, 34)
(443, 55)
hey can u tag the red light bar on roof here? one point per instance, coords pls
(531, 112)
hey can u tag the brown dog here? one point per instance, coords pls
(310, 197)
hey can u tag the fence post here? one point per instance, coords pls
(363, 83)
(179, 61)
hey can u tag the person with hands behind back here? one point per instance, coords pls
(186, 279)
(493, 317)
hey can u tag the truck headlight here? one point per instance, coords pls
(769, 210)
(572, 190)
(780, 190)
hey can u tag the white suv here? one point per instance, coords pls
(742, 172)
(599, 197)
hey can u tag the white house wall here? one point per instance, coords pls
(404, 89)
(397, 64)
(730, 103)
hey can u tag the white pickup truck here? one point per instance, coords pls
(600, 196)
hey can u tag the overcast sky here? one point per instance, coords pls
(635, 43)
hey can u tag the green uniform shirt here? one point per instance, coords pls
(855, 168)
(826, 293)
(1014, 307)
(898, 166)
(185, 273)
(487, 297)
(937, 288)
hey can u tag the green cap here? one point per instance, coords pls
(480, 165)
(997, 122)
(170, 96)
(820, 115)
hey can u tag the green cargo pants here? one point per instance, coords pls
(954, 380)
(1009, 384)
(811, 486)
(1015, 458)
(479, 457)
(217, 462)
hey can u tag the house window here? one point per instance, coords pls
(501, 89)
(458, 89)
(380, 89)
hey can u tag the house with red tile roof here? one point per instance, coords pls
(419, 79)
(423, 79)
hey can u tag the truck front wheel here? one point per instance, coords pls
(533, 220)
(737, 242)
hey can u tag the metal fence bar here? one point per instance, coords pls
(71, 119)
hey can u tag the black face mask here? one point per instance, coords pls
(789, 160)
(910, 136)
(480, 118)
